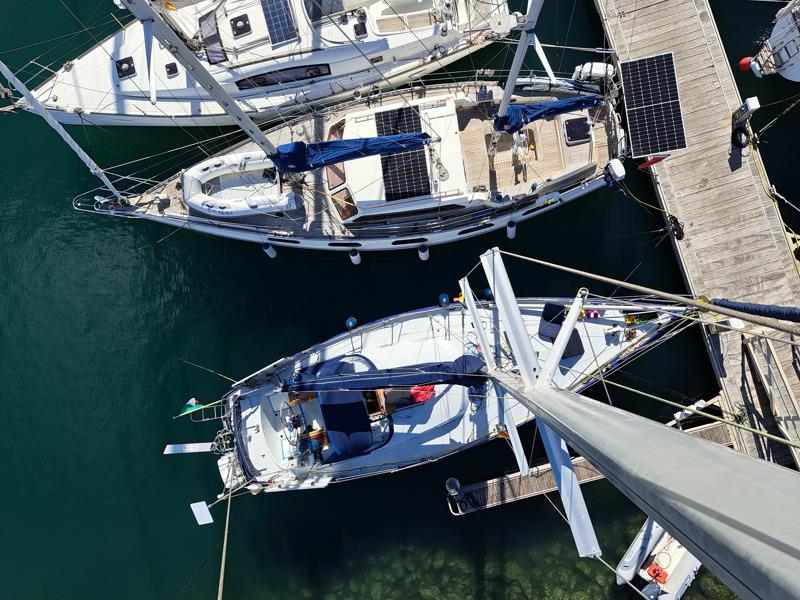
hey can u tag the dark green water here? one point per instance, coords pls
(94, 315)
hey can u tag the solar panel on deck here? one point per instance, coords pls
(652, 105)
(405, 174)
(280, 21)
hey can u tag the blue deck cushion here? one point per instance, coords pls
(345, 414)
(550, 323)
(552, 318)
(347, 423)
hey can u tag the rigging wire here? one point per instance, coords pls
(598, 557)
(224, 547)
(202, 367)
(696, 411)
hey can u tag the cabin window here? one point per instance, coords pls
(335, 173)
(282, 76)
(209, 31)
(344, 204)
(434, 213)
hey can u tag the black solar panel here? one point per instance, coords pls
(280, 21)
(405, 174)
(652, 105)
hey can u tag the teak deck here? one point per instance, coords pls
(735, 245)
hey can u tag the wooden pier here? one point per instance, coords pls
(735, 244)
(510, 488)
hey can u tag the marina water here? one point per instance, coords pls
(96, 316)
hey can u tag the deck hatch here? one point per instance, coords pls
(280, 21)
(405, 174)
(652, 105)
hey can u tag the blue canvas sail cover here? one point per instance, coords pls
(785, 313)
(519, 115)
(297, 157)
(466, 371)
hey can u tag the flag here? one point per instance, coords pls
(191, 406)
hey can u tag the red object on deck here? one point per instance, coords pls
(657, 573)
(652, 161)
(421, 393)
(744, 64)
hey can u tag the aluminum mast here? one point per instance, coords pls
(143, 11)
(34, 104)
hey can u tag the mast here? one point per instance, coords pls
(531, 17)
(525, 38)
(733, 512)
(514, 328)
(37, 107)
(151, 18)
(703, 306)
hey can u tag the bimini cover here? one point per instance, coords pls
(345, 414)
(519, 115)
(465, 370)
(297, 157)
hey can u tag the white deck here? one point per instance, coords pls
(448, 422)
(544, 174)
(89, 89)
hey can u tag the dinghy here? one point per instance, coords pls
(665, 566)
(273, 56)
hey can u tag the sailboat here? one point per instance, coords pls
(704, 502)
(411, 388)
(274, 57)
(405, 169)
(780, 53)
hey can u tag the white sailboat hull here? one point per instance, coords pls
(480, 194)
(269, 81)
(453, 420)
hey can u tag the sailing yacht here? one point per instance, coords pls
(410, 389)
(410, 168)
(780, 53)
(273, 57)
(406, 169)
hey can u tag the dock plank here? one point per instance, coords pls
(540, 480)
(735, 245)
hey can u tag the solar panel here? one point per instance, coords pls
(280, 21)
(652, 105)
(405, 174)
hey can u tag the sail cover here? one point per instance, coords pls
(785, 313)
(519, 115)
(466, 371)
(297, 157)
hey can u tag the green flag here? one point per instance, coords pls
(191, 406)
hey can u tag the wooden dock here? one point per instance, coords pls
(735, 244)
(510, 488)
